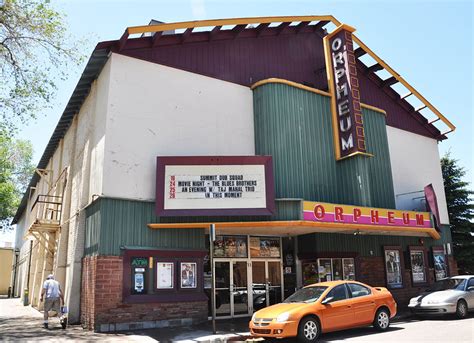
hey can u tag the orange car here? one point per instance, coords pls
(324, 307)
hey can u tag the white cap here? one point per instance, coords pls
(50, 277)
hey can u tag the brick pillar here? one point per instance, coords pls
(89, 264)
(453, 266)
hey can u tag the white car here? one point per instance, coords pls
(454, 295)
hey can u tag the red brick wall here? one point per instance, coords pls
(453, 266)
(372, 271)
(101, 299)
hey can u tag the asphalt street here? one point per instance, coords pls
(427, 330)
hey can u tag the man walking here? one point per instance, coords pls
(54, 296)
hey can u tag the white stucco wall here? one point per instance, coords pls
(82, 152)
(160, 111)
(415, 163)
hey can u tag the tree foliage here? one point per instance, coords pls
(15, 171)
(461, 213)
(34, 55)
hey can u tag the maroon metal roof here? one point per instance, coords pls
(246, 56)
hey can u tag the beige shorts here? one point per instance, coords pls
(52, 304)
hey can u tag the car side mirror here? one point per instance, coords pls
(470, 289)
(327, 300)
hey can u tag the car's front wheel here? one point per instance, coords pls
(309, 329)
(382, 319)
(461, 309)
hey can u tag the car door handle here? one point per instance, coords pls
(349, 306)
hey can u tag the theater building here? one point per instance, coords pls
(284, 132)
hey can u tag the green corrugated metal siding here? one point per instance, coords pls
(124, 223)
(115, 223)
(93, 224)
(291, 125)
(294, 126)
(361, 244)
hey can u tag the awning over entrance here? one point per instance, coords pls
(301, 227)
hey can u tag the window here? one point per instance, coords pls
(328, 269)
(393, 267)
(348, 268)
(338, 293)
(470, 283)
(358, 290)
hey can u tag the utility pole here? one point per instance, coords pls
(212, 238)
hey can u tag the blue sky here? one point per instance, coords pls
(429, 43)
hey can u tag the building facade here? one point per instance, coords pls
(243, 126)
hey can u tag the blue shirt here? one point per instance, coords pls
(51, 288)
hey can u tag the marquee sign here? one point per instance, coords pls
(333, 213)
(221, 185)
(349, 138)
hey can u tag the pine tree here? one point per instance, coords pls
(461, 213)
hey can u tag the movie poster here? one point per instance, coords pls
(440, 265)
(393, 268)
(417, 266)
(188, 275)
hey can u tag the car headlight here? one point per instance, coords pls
(414, 301)
(283, 317)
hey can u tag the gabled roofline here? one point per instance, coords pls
(218, 23)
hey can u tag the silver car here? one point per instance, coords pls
(453, 295)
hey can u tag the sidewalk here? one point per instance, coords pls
(23, 323)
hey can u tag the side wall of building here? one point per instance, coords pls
(6, 262)
(75, 174)
(161, 111)
(415, 164)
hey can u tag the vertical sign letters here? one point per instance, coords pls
(343, 83)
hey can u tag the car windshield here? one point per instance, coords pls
(306, 295)
(444, 285)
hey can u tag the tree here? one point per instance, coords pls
(34, 55)
(15, 171)
(461, 213)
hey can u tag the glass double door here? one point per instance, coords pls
(231, 285)
(244, 286)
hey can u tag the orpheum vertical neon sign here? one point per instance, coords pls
(348, 127)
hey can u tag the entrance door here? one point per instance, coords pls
(231, 288)
(266, 283)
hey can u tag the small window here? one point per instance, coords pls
(358, 290)
(338, 293)
(470, 283)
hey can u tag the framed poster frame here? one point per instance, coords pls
(418, 249)
(188, 277)
(392, 251)
(171, 277)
